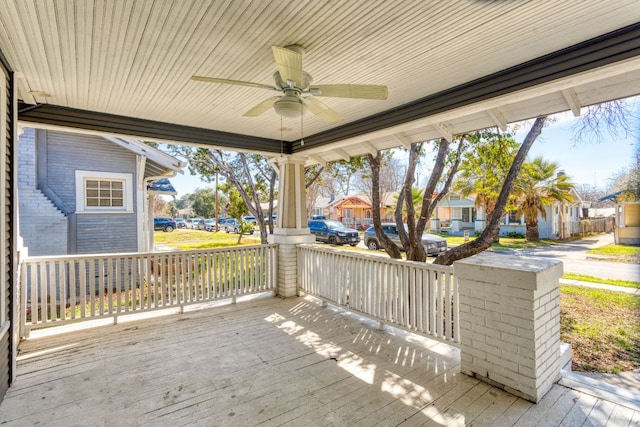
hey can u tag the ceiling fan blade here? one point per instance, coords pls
(321, 110)
(232, 82)
(289, 64)
(351, 91)
(262, 107)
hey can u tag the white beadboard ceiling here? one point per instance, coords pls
(135, 58)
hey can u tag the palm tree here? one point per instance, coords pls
(538, 185)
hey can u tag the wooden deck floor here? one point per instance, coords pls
(269, 362)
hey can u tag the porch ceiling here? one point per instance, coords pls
(124, 67)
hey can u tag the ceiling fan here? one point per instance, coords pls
(297, 91)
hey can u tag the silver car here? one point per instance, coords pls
(432, 243)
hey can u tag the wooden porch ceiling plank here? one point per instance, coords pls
(604, 50)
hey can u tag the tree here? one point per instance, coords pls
(251, 175)
(538, 186)
(627, 181)
(484, 167)
(446, 160)
(385, 241)
(160, 207)
(203, 202)
(493, 224)
(411, 238)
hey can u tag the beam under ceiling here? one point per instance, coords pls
(54, 115)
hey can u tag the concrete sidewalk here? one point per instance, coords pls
(624, 289)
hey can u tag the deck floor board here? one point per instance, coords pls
(268, 362)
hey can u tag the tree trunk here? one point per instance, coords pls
(384, 240)
(486, 237)
(532, 233)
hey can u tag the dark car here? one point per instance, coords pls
(181, 223)
(432, 243)
(164, 224)
(333, 232)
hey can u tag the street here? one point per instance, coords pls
(574, 257)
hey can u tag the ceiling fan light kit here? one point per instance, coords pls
(289, 107)
(298, 93)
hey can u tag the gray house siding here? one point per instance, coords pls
(59, 155)
(84, 152)
(8, 300)
(106, 233)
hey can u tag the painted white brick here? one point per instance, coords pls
(514, 317)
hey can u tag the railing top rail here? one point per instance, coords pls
(378, 258)
(45, 258)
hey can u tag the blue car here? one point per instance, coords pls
(164, 224)
(333, 232)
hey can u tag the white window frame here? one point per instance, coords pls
(83, 176)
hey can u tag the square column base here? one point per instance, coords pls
(287, 240)
(510, 322)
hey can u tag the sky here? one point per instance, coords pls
(591, 163)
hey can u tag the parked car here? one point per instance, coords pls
(181, 223)
(208, 224)
(231, 225)
(433, 244)
(333, 232)
(249, 218)
(164, 224)
(193, 223)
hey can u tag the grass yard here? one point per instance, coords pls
(618, 253)
(505, 242)
(197, 239)
(602, 328)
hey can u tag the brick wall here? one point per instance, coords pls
(510, 322)
(27, 159)
(43, 227)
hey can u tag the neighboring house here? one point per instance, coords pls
(354, 211)
(627, 219)
(82, 193)
(455, 215)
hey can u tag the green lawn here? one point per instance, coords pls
(602, 328)
(198, 239)
(612, 249)
(505, 242)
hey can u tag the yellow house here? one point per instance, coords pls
(627, 217)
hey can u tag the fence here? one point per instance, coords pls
(64, 289)
(419, 297)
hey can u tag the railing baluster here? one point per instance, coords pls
(417, 296)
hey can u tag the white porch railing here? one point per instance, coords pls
(419, 297)
(64, 289)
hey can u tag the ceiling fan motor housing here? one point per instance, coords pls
(306, 81)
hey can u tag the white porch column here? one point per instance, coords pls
(291, 222)
(510, 322)
(435, 225)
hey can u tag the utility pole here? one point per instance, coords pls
(217, 202)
